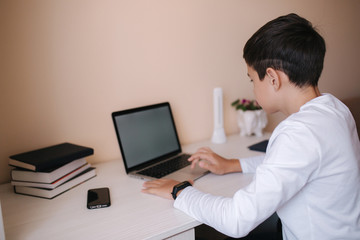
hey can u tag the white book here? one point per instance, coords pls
(55, 184)
(51, 193)
(46, 177)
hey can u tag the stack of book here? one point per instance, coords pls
(50, 171)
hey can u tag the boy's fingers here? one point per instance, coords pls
(146, 190)
(193, 163)
(198, 156)
(154, 183)
(205, 165)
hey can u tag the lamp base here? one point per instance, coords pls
(218, 136)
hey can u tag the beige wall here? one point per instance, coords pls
(66, 65)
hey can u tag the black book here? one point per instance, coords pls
(50, 157)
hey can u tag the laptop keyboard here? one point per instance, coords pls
(167, 167)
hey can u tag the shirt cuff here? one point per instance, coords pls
(181, 196)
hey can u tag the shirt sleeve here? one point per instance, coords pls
(249, 165)
(285, 170)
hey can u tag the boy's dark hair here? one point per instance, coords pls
(290, 44)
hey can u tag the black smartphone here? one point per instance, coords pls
(98, 198)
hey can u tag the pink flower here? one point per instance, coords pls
(246, 104)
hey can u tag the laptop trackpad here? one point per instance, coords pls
(187, 174)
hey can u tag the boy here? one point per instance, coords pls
(310, 174)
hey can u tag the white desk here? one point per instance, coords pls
(132, 214)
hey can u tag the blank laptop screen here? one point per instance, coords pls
(146, 134)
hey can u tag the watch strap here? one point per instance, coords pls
(179, 187)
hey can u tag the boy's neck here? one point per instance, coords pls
(296, 97)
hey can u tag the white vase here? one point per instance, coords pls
(251, 122)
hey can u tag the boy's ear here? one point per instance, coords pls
(273, 78)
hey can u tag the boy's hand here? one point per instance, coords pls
(161, 187)
(211, 161)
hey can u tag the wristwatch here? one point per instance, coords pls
(179, 187)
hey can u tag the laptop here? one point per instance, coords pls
(150, 146)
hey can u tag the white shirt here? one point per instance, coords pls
(310, 176)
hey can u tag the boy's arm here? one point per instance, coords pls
(211, 161)
(206, 159)
(286, 169)
(249, 165)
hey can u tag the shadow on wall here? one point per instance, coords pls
(354, 105)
